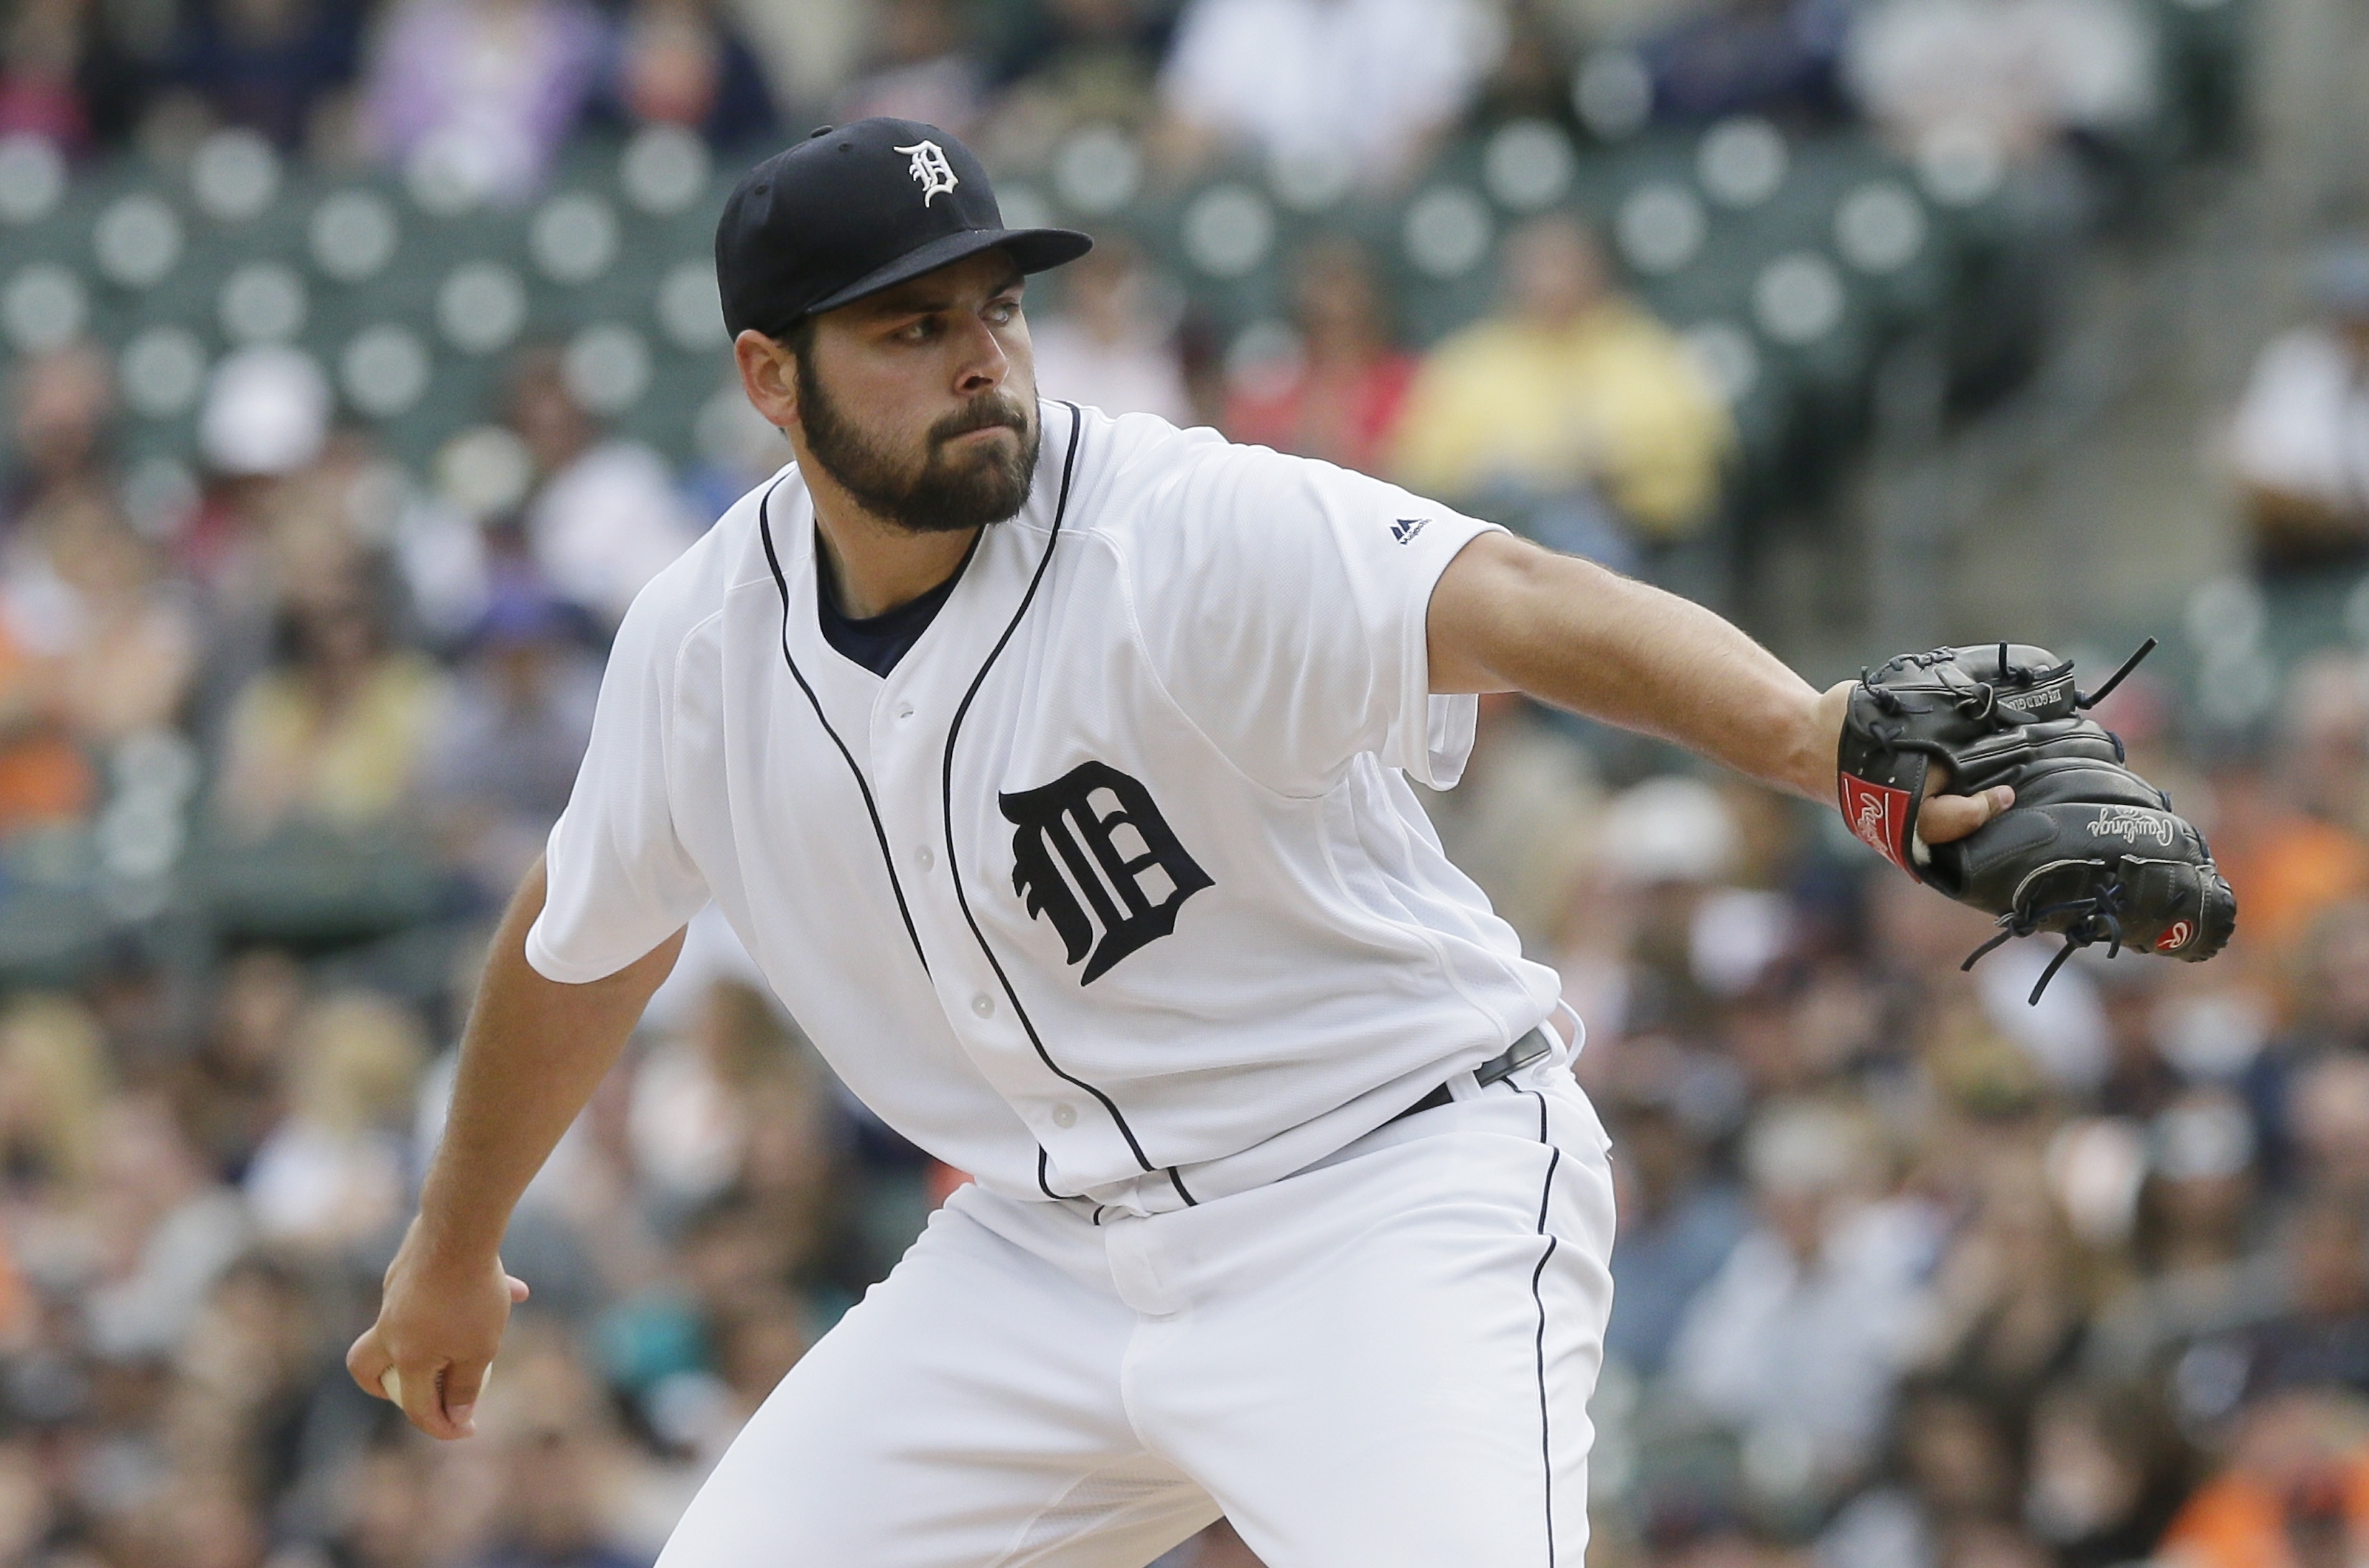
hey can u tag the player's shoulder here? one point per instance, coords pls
(1141, 478)
(731, 555)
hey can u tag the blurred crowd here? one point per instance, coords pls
(1911, 1274)
(496, 86)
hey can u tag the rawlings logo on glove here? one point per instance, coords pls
(2089, 849)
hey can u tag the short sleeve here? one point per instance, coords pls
(619, 880)
(1285, 604)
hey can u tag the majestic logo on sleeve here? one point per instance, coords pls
(1096, 859)
(931, 170)
(1406, 528)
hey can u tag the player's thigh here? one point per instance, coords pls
(1413, 1389)
(964, 1415)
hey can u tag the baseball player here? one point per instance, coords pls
(1054, 768)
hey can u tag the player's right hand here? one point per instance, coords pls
(440, 1321)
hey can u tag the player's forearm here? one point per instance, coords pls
(534, 1052)
(1509, 616)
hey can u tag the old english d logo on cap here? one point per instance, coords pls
(935, 176)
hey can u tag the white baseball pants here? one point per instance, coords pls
(1382, 1362)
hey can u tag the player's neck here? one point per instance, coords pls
(878, 565)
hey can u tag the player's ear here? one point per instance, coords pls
(769, 376)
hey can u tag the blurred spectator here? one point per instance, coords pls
(2198, 1268)
(482, 91)
(336, 734)
(233, 1090)
(1340, 397)
(1531, 76)
(46, 781)
(2102, 1475)
(920, 69)
(273, 66)
(2300, 440)
(1679, 1223)
(245, 1376)
(1957, 1472)
(1367, 86)
(683, 62)
(89, 599)
(564, 1481)
(1111, 346)
(696, 1094)
(164, 1231)
(1775, 58)
(810, 51)
(1800, 1339)
(387, 1493)
(504, 756)
(2293, 1491)
(1573, 403)
(335, 1173)
(605, 517)
(63, 76)
(61, 405)
(1521, 822)
(2017, 75)
(54, 1076)
(2014, 1293)
(1065, 62)
(552, 1519)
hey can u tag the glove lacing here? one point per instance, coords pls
(2099, 920)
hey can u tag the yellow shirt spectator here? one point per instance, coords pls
(1571, 387)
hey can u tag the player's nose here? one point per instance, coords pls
(984, 363)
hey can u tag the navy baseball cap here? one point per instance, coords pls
(856, 209)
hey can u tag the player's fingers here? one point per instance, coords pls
(461, 1384)
(367, 1361)
(1945, 818)
(421, 1395)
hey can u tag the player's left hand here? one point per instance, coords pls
(1945, 818)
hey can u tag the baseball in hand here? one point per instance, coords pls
(390, 1383)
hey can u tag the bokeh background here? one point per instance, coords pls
(362, 358)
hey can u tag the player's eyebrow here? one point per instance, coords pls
(898, 302)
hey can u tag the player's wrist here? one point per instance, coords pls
(449, 1246)
(1811, 728)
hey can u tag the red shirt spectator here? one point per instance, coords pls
(1341, 400)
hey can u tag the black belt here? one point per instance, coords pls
(1515, 1056)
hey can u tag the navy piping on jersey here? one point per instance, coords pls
(1046, 1186)
(1546, 1436)
(879, 834)
(953, 859)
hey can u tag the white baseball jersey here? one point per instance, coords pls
(1113, 887)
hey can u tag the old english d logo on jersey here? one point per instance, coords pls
(1094, 856)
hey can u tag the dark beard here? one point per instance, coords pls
(940, 498)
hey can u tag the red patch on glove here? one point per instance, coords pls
(1879, 815)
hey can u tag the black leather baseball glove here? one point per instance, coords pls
(2089, 849)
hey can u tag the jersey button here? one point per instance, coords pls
(905, 710)
(982, 1004)
(924, 858)
(1065, 1115)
